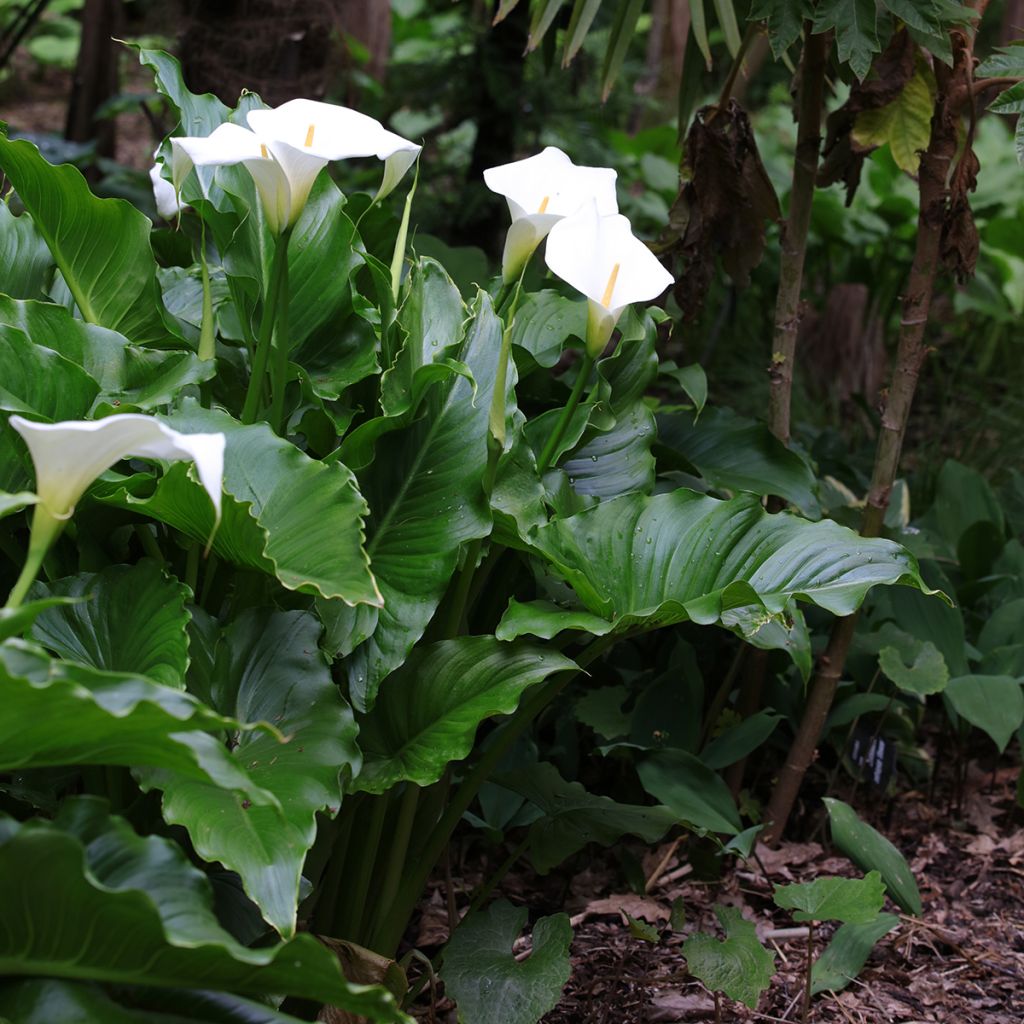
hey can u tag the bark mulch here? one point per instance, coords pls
(962, 962)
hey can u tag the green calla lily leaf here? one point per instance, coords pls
(154, 911)
(128, 375)
(124, 619)
(428, 711)
(572, 817)
(57, 713)
(268, 667)
(100, 245)
(287, 514)
(652, 561)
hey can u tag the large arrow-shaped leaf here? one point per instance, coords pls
(291, 516)
(126, 374)
(268, 668)
(426, 499)
(86, 898)
(428, 711)
(55, 713)
(100, 245)
(656, 560)
(127, 619)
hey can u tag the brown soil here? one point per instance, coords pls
(961, 963)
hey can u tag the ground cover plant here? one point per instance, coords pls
(325, 547)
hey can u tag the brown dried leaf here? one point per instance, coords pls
(843, 157)
(959, 235)
(722, 206)
(641, 907)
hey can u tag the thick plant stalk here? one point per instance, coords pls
(954, 87)
(811, 107)
(794, 231)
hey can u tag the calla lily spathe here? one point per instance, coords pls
(286, 147)
(69, 456)
(540, 191)
(165, 195)
(602, 258)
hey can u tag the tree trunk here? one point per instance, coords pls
(95, 77)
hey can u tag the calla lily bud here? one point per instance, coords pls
(168, 205)
(540, 191)
(69, 456)
(285, 148)
(603, 259)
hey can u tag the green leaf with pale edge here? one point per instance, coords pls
(26, 266)
(690, 790)
(845, 956)
(87, 899)
(46, 1000)
(127, 374)
(740, 966)
(100, 245)
(856, 28)
(995, 704)
(851, 900)
(486, 981)
(927, 674)
(904, 124)
(573, 817)
(734, 453)
(871, 851)
(123, 619)
(284, 514)
(658, 560)
(268, 668)
(428, 711)
(55, 713)
(426, 499)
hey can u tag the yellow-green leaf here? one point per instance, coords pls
(904, 124)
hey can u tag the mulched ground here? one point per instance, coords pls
(961, 963)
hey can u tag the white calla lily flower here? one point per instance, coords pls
(69, 456)
(602, 258)
(286, 147)
(541, 190)
(168, 205)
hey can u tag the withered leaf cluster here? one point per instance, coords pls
(722, 207)
(843, 157)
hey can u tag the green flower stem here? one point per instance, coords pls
(278, 282)
(555, 439)
(207, 334)
(351, 918)
(149, 544)
(396, 916)
(45, 530)
(396, 858)
(327, 896)
(279, 361)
